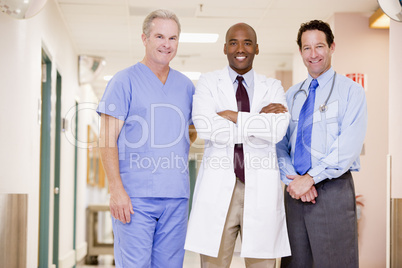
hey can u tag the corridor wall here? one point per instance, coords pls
(21, 45)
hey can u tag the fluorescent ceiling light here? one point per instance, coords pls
(192, 75)
(198, 38)
(379, 20)
(107, 77)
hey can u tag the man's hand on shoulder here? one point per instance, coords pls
(275, 108)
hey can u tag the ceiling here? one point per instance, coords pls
(112, 29)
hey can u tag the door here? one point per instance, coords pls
(45, 158)
(75, 180)
(56, 205)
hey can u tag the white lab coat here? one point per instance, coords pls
(264, 223)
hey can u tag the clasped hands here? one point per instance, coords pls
(302, 187)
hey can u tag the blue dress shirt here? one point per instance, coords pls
(337, 134)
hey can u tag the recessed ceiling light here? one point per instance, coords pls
(198, 38)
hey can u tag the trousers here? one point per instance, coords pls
(155, 235)
(233, 226)
(324, 234)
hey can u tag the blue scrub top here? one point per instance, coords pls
(154, 141)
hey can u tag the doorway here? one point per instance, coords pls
(45, 158)
(57, 153)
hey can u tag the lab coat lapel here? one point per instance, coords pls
(260, 90)
(225, 87)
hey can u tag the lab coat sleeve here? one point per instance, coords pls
(283, 151)
(269, 127)
(284, 160)
(347, 146)
(210, 126)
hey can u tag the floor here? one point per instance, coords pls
(191, 260)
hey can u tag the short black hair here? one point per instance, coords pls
(316, 25)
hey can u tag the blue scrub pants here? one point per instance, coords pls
(155, 235)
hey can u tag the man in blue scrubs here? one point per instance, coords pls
(318, 153)
(144, 143)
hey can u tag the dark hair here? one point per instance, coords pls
(315, 25)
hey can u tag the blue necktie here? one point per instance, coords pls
(243, 105)
(302, 158)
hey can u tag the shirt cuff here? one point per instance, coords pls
(316, 173)
(285, 180)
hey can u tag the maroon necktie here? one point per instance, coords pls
(243, 105)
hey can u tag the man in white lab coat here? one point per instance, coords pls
(241, 116)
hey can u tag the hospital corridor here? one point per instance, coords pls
(58, 57)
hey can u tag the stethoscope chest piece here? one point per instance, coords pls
(323, 108)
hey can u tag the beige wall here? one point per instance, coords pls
(360, 49)
(285, 77)
(395, 107)
(21, 46)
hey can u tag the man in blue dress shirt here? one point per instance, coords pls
(318, 153)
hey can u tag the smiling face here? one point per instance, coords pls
(315, 52)
(162, 42)
(241, 47)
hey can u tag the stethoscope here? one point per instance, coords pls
(323, 107)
